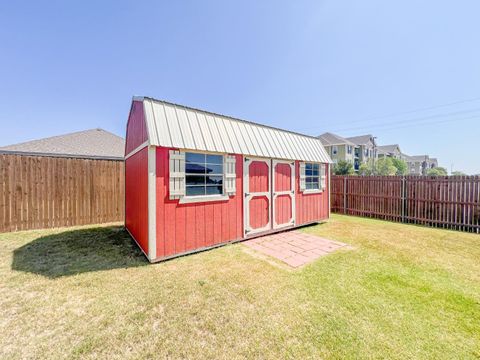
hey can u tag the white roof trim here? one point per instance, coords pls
(178, 126)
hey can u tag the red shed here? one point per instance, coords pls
(195, 179)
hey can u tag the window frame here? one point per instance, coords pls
(204, 197)
(318, 177)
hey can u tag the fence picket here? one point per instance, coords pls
(446, 202)
(44, 192)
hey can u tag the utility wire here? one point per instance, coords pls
(404, 112)
(430, 123)
(414, 120)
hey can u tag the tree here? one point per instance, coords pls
(458, 173)
(437, 171)
(366, 169)
(343, 168)
(385, 167)
(401, 165)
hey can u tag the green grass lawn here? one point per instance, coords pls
(402, 292)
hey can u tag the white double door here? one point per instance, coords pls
(269, 193)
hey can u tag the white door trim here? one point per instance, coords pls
(247, 196)
(291, 192)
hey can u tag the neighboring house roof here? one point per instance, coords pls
(361, 140)
(329, 139)
(433, 161)
(389, 148)
(417, 158)
(178, 126)
(383, 152)
(94, 143)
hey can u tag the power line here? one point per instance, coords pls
(411, 120)
(430, 123)
(423, 109)
(404, 112)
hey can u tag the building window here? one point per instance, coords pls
(349, 149)
(312, 176)
(203, 174)
(366, 152)
(334, 149)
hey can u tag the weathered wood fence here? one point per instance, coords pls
(43, 192)
(451, 202)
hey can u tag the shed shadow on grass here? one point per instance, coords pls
(78, 251)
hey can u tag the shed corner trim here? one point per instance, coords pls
(152, 204)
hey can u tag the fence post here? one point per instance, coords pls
(404, 198)
(344, 194)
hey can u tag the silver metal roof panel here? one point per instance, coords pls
(178, 126)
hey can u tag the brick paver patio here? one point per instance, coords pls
(294, 247)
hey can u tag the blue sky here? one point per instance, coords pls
(350, 67)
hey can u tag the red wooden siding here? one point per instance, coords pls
(310, 207)
(259, 212)
(283, 209)
(136, 197)
(187, 227)
(258, 206)
(258, 176)
(283, 203)
(136, 128)
(283, 177)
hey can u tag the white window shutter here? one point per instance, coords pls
(230, 174)
(323, 176)
(177, 174)
(302, 176)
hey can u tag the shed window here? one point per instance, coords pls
(203, 174)
(312, 176)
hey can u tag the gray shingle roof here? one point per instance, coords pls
(328, 139)
(388, 148)
(93, 143)
(418, 157)
(360, 140)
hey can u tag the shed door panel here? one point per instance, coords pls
(283, 194)
(257, 195)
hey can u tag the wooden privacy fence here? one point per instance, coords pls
(43, 192)
(448, 201)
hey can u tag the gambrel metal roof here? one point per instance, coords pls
(178, 126)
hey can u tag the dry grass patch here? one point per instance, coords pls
(402, 292)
